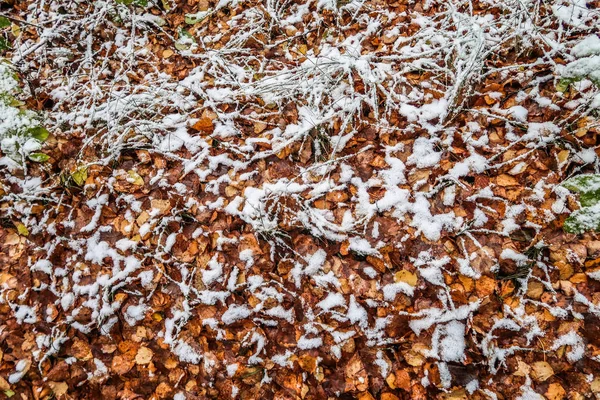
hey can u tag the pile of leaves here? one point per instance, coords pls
(299, 199)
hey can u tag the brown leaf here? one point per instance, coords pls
(403, 380)
(121, 365)
(541, 371)
(59, 388)
(307, 363)
(555, 392)
(356, 376)
(365, 396)
(81, 350)
(4, 385)
(143, 356)
(204, 125)
(377, 263)
(506, 180)
(164, 206)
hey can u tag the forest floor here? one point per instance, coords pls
(288, 199)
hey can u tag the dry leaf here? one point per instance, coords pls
(403, 380)
(541, 371)
(4, 385)
(204, 125)
(121, 365)
(555, 392)
(81, 350)
(406, 277)
(506, 180)
(143, 356)
(59, 388)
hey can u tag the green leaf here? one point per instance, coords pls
(40, 133)
(9, 393)
(192, 19)
(39, 157)
(4, 45)
(141, 3)
(583, 220)
(4, 22)
(185, 41)
(79, 176)
(15, 103)
(583, 183)
(588, 199)
(563, 85)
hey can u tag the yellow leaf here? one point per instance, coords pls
(391, 381)
(157, 317)
(15, 30)
(535, 289)
(562, 156)
(22, 229)
(285, 152)
(204, 124)
(406, 277)
(134, 178)
(80, 176)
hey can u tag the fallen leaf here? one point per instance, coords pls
(541, 371)
(134, 178)
(555, 392)
(121, 365)
(81, 350)
(204, 125)
(4, 385)
(22, 229)
(506, 180)
(59, 388)
(406, 277)
(143, 356)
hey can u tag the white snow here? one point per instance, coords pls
(331, 301)
(235, 313)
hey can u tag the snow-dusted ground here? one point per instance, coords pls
(265, 182)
